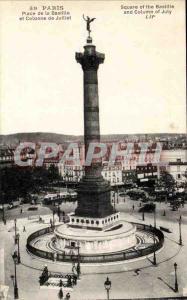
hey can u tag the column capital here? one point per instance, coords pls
(90, 59)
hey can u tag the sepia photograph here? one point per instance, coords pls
(93, 150)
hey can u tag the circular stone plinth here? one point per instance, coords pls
(118, 238)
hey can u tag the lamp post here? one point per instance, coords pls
(4, 220)
(17, 239)
(155, 217)
(176, 282)
(107, 286)
(114, 200)
(15, 259)
(15, 230)
(78, 262)
(53, 215)
(180, 233)
(59, 212)
(154, 253)
(117, 194)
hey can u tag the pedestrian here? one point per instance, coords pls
(54, 256)
(69, 282)
(133, 207)
(60, 294)
(67, 296)
(137, 272)
(24, 229)
(73, 266)
(74, 279)
(21, 210)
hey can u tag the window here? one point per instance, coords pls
(82, 221)
(97, 222)
(92, 222)
(72, 220)
(87, 222)
(77, 220)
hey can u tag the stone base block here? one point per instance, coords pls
(119, 237)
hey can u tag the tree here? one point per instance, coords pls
(20, 182)
(167, 180)
(185, 183)
(53, 173)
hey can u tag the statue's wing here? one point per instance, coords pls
(92, 19)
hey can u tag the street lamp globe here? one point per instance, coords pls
(107, 284)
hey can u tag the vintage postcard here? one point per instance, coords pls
(93, 150)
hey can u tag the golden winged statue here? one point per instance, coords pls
(88, 21)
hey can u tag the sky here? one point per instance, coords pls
(141, 83)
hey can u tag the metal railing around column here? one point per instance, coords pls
(110, 257)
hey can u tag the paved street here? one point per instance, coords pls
(42, 210)
(150, 281)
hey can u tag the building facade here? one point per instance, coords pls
(178, 170)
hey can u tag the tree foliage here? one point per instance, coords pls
(167, 180)
(22, 181)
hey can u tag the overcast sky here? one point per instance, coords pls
(141, 83)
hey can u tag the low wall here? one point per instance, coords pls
(111, 257)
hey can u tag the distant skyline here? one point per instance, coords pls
(81, 135)
(134, 133)
(141, 83)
